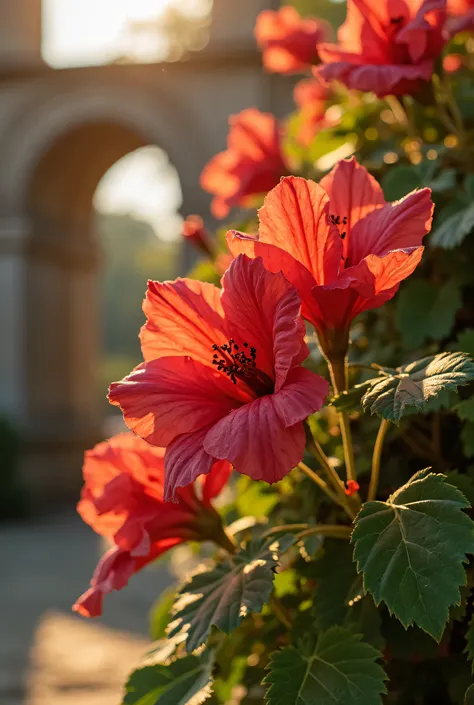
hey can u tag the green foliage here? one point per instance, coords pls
(465, 409)
(469, 696)
(467, 438)
(228, 592)
(411, 550)
(337, 668)
(464, 483)
(454, 229)
(465, 341)
(399, 181)
(426, 311)
(160, 614)
(335, 574)
(186, 681)
(391, 395)
(470, 643)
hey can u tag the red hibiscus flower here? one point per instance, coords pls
(122, 499)
(387, 47)
(251, 165)
(222, 378)
(311, 98)
(460, 16)
(289, 43)
(194, 232)
(340, 245)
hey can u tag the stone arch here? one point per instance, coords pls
(54, 178)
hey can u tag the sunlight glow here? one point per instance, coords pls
(94, 32)
(146, 186)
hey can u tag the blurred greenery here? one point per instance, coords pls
(131, 253)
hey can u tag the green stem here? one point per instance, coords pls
(332, 531)
(285, 527)
(337, 499)
(281, 612)
(376, 460)
(338, 372)
(323, 460)
(223, 539)
(397, 109)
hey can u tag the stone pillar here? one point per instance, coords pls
(13, 237)
(62, 351)
(20, 33)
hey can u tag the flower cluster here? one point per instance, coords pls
(122, 500)
(231, 379)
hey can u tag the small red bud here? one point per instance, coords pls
(193, 231)
(352, 487)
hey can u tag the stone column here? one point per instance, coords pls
(13, 237)
(62, 328)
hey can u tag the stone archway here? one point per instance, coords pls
(61, 409)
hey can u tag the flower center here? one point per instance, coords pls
(240, 363)
(340, 223)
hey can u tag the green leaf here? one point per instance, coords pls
(465, 409)
(160, 614)
(399, 181)
(224, 595)
(411, 550)
(426, 311)
(469, 696)
(350, 400)
(463, 482)
(337, 669)
(454, 229)
(444, 181)
(469, 186)
(465, 341)
(467, 437)
(255, 498)
(391, 395)
(335, 573)
(469, 650)
(186, 681)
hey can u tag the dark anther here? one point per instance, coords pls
(233, 362)
(343, 235)
(396, 20)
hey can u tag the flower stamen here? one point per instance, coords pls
(241, 364)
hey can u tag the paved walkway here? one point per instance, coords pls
(48, 656)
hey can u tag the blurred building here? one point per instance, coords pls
(60, 131)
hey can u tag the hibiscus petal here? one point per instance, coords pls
(275, 260)
(164, 398)
(369, 285)
(185, 317)
(295, 217)
(353, 194)
(392, 268)
(381, 79)
(263, 309)
(185, 461)
(113, 572)
(303, 394)
(215, 481)
(257, 442)
(396, 226)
